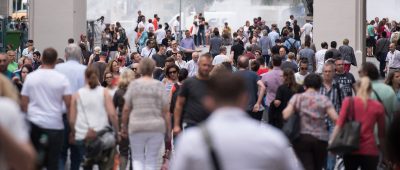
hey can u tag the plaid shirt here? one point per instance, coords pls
(336, 96)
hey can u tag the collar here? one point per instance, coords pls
(228, 111)
(276, 68)
(72, 62)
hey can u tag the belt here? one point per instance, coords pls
(394, 68)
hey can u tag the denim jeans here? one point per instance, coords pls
(76, 153)
(201, 37)
(146, 149)
(48, 145)
(331, 158)
(382, 63)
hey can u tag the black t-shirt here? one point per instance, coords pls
(346, 82)
(296, 30)
(238, 50)
(100, 67)
(159, 59)
(284, 93)
(165, 41)
(194, 90)
(275, 49)
(251, 79)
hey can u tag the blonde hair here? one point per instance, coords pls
(364, 88)
(7, 89)
(126, 77)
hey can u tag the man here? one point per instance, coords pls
(101, 65)
(160, 34)
(380, 91)
(303, 72)
(249, 54)
(155, 22)
(75, 73)
(168, 37)
(189, 108)
(332, 90)
(160, 56)
(266, 44)
(264, 147)
(287, 28)
(278, 45)
(43, 96)
(188, 46)
(345, 80)
(70, 41)
(159, 73)
(215, 43)
(273, 35)
(290, 63)
(3, 66)
(272, 80)
(12, 65)
(347, 54)
(320, 57)
(237, 49)
(149, 25)
(291, 20)
(16, 151)
(333, 52)
(392, 59)
(28, 51)
(292, 44)
(381, 50)
(222, 57)
(282, 54)
(192, 65)
(309, 54)
(36, 60)
(175, 27)
(307, 28)
(255, 88)
(296, 30)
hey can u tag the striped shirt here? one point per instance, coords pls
(336, 96)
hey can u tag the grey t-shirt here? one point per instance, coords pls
(215, 44)
(310, 55)
(101, 68)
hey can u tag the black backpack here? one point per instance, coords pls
(174, 97)
(292, 48)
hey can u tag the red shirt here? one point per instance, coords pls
(368, 117)
(155, 24)
(262, 71)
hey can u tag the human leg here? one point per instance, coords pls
(153, 147)
(54, 147)
(303, 149)
(137, 143)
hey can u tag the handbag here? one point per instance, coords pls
(348, 138)
(291, 127)
(105, 140)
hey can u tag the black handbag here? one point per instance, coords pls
(348, 138)
(291, 127)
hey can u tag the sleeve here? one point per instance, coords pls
(381, 120)
(353, 80)
(26, 87)
(67, 87)
(128, 95)
(343, 112)
(279, 93)
(184, 90)
(293, 99)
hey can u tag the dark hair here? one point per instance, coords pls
(276, 60)
(389, 80)
(216, 32)
(82, 46)
(133, 55)
(27, 66)
(261, 60)
(393, 139)
(333, 44)
(159, 26)
(169, 59)
(303, 61)
(169, 67)
(243, 62)
(49, 56)
(313, 81)
(307, 44)
(36, 53)
(227, 65)
(91, 75)
(220, 87)
(71, 41)
(384, 34)
(289, 79)
(324, 45)
(371, 70)
(30, 41)
(254, 65)
(183, 74)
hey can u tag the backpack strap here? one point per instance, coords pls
(211, 149)
(380, 101)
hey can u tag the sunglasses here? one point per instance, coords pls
(303, 68)
(108, 77)
(172, 72)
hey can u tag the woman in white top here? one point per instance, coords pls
(149, 50)
(91, 111)
(179, 60)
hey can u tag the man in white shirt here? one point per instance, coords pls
(222, 57)
(75, 73)
(28, 51)
(393, 58)
(43, 96)
(175, 27)
(160, 34)
(320, 57)
(192, 65)
(16, 151)
(149, 50)
(250, 146)
(307, 28)
(303, 72)
(149, 25)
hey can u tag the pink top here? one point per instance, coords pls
(368, 117)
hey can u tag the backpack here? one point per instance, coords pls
(292, 48)
(174, 97)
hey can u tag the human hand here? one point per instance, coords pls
(256, 108)
(91, 134)
(176, 131)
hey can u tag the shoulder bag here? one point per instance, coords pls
(348, 138)
(211, 150)
(291, 127)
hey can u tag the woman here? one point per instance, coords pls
(174, 49)
(312, 107)
(118, 100)
(393, 80)
(283, 95)
(146, 110)
(113, 67)
(368, 112)
(106, 38)
(85, 41)
(110, 82)
(171, 77)
(179, 60)
(91, 111)
(85, 54)
(95, 56)
(25, 70)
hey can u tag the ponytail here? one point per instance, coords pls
(364, 89)
(91, 76)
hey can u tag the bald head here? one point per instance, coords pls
(243, 62)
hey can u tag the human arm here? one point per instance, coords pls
(111, 113)
(180, 101)
(72, 117)
(290, 108)
(24, 103)
(261, 92)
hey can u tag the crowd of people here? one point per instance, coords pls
(209, 109)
